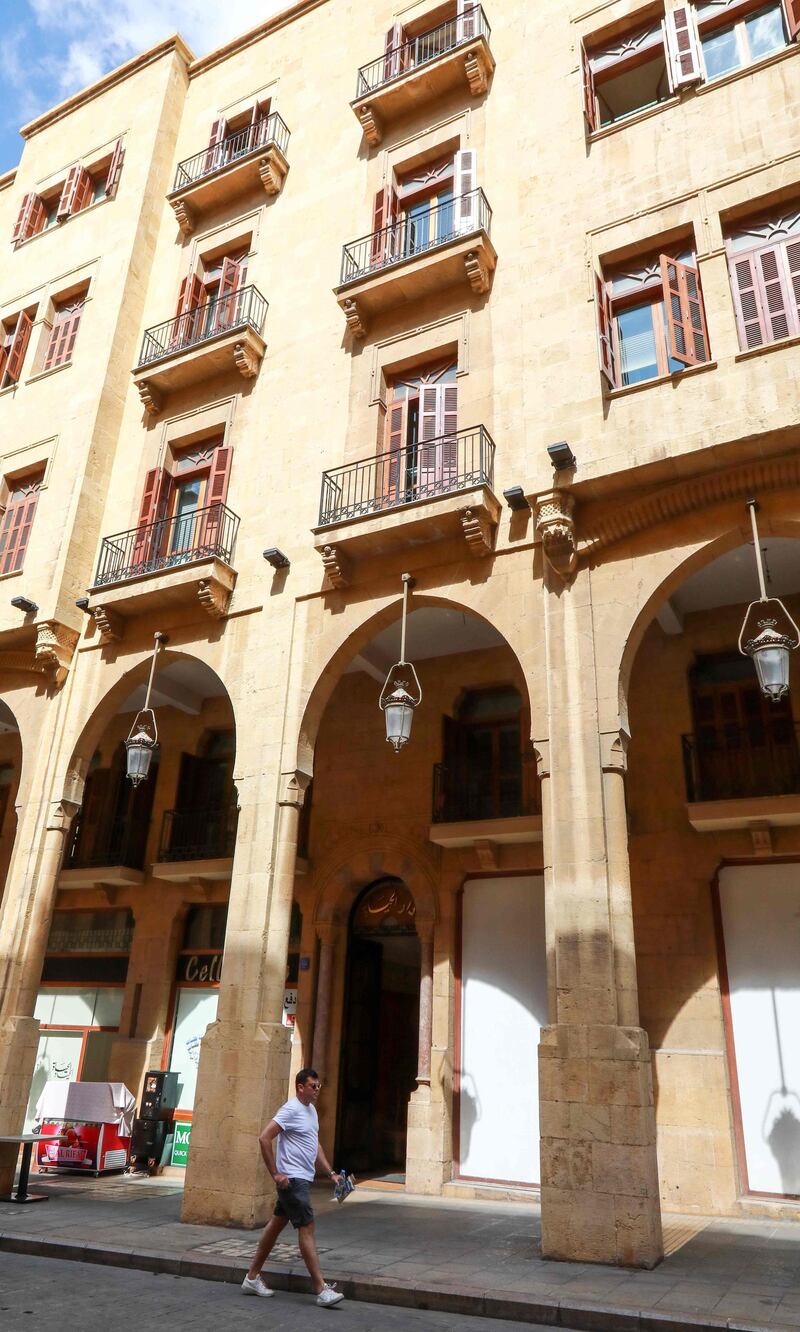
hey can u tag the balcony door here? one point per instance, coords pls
(203, 822)
(482, 772)
(112, 826)
(421, 443)
(745, 745)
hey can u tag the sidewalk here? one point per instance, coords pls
(459, 1256)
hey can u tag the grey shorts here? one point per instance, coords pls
(295, 1203)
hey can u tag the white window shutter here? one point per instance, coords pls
(683, 47)
(467, 20)
(465, 190)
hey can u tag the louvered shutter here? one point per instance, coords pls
(384, 215)
(84, 193)
(683, 47)
(448, 397)
(792, 12)
(605, 331)
(589, 94)
(393, 464)
(115, 168)
(16, 531)
(23, 225)
(429, 455)
(466, 20)
(215, 154)
(19, 346)
(63, 335)
(38, 218)
(465, 190)
(393, 55)
(151, 537)
(66, 204)
(792, 249)
(687, 335)
(775, 299)
(747, 302)
(215, 498)
(190, 297)
(227, 304)
(3, 364)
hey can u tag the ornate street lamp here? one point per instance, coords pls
(402, 692)
(143, 736)
(769, 634)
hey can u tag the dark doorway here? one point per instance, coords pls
(380, 1030)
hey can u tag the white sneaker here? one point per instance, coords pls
(328, 1297)
(256, 1286)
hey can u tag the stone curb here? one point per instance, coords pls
(581, 1315)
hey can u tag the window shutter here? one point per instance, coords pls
(605, 331)
(63, 335)
(464, 188)
(792, 11)
(66, 204)
(215, 497)
(190, 297)
(589, 95)
(23, 227)
(747, 302)
(393, 55)
(214, 155)
(775, 299)
(793, 261)
(16, 531)
(155, 502)
(448, 397)
(467, 20)
(115, 168)
(683, 47)
(384, 215)
(429, 457)
(227, 315)
(687, 335)
(19, 346)
(395, 445)
(38, 216)
(84, 194)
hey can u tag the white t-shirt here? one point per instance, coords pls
(298, 1141)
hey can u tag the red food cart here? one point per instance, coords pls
(94, 1119)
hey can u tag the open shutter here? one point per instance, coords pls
(393, 61)
(448, 399)
(683, 47)
(466, 20)
(747, 302)
(429, 455)
(151, 537)
(227, 307)
(63, 335)
(190, 297)
(465, 190)
(16, 531)
(393, 465)
(18, 348)
(115, 168)
(216, 495)
(27, 217)
(384, 215)
(793, 260)
(687, 336)
(66, 204)
(589, 94)
(776, 302)
(792, 11)
(605, 331)
(215, 153)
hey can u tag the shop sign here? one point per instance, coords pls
(289, 1007)
(180, 1144)
(200, 968)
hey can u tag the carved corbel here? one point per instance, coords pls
(541, 757)
(21, 661)
(352, 314)
(110, 624)
(55, 647)
(555, 526)
(476, 72)
(184, 215)
(477, 271)
(614, 751)
(478, 532)
(336, 566)
(151, 398)
(213, 597)
(272, 169)
(293, 788)
(486, 852)
(370, 124)
(61, 814)
(245, 360)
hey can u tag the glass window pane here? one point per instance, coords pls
(108, 1007)
(68, 1008)
(765, 32)
(637, 344)
(721, 53)
(58, 1056)
(195, 1010)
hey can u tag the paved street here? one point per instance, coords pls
(44, 1295)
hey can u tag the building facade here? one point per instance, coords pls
(549, 945)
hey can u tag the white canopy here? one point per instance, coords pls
(87, 1103)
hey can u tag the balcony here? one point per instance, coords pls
(415, 257)
(435, 491)
(197, 845)
(239, 162)
(474, 806)
(453, 55)
(218, 336)
(743, 776)
(173, 562)
(110, 855)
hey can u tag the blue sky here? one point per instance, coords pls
(51, 48)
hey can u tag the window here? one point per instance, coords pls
(82, 187)
(481, 776)
(415, 43)
(754, 34)
(651, 320)
(181, 513)
(625, 76)
(424, 207)
(17, 521)
(15, 334)
(66, 322)
(234, 138)
(418, 440)
(209, 302)
(764, 264)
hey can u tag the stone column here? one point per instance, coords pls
(600, 1194)
(426, 1109)
(151, 971)
(425, 1009)
(322, 1012)
(245, 1055)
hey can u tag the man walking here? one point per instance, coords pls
(293, 1167)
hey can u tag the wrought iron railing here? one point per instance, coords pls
(420, 471)
(119, 841)
(243, 307)
(198, 834)
(397, 61)
(272, 129)
(463, 792)
(737, 762)
(417, 233)
(199, 534)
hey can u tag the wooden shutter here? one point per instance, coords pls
(63, 335)
(3, 354)
(393, 55)
(190, 296)
(216, 495)
(214, 155)
(792, 250)
(464, 189)
(115, 168)
(605, 331)
(775, 299)
(467, 20)
(747, 302)
(448, 398)
(151, 537)
(16, 531)
(384, 215)
(69, 193)
(392, 467)
(792, 12)
(24, 225)
(19, 346)
(687, 336)
(683, 47)
(429, 456)
(227, 309)
(589, 94)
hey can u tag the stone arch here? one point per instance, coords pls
(348, 870)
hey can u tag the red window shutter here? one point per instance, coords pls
(66, 204)
(747, 302)
(589, 95)
(393, 60)
(687, 335)
(383, 216)
(38, 217)
(775, 299)
(155, 503)
(214, 155)
(216, 495)
(792, 11)
(467, 20)
(18, 348)
(227, 310)
(605, 331)
(84, 194)
(23, 227)
(190, 296)
(218, 130)
(464, 186)
(3, 360)
(115, 168)
(16, 531)
(63, 335)
(683, 47)
(394, 443)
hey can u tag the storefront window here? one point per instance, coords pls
(194, 1010)
(198, 975)
(78, 1025)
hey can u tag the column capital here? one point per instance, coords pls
(554, 513)
(61, 814)
(541, 755)
(293, 787)
(614, 751)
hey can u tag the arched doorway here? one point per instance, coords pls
(381, 1022)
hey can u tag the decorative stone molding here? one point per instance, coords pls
(183, 215)
(55, 647)
(370, 123)
(486, 852)
(477, 271)
(477, 72)
(614, 751)
(541, 756)
(352, 315)
(293, 788)
(478, 532)
(246, 360)
(61, 814)
(272, 169)
(21, 661)
(110, 624)
(555, 526)
(151, 398)
(336, 566)
(213, 597)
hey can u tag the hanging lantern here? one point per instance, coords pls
(143, 736)
(397, 701)
(776, 636)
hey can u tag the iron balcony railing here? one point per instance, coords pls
(119, 841)
(199, 534)
(241, 308)
(737, 762)
(416, 233)
(272, 129)
(419, 471)
(464, 792)
(198, 834)
(421, 50)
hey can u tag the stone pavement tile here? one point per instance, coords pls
(692, 1296)
(758, 1307)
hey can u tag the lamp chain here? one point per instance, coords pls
(753, 506)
